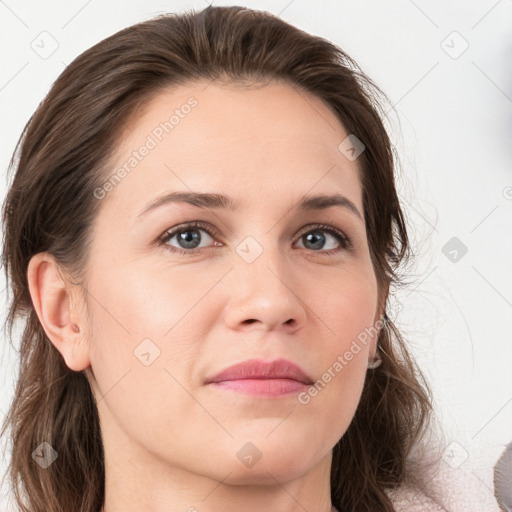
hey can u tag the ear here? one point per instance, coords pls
(53, 304)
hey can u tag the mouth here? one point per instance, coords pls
(261, 387)
(259, 378)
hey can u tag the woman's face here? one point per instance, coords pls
(258, 280)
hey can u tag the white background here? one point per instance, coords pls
(452, 125)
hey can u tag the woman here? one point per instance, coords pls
(201, 232)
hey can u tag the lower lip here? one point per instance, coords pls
(262, 387)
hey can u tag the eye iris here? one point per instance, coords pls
(194, 239)
(316, 238)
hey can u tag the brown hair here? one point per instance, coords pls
(63, 155)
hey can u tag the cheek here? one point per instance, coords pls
(147, 320)
(134, 302)
(349, 320)
(346, 306)
(143, 331)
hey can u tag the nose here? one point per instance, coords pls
(265, 295)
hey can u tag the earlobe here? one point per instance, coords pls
(53, 306)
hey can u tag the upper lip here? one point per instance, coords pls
(260, 369)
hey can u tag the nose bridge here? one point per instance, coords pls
(262, 259)
(264, 291)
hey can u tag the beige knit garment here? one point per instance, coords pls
(458, 490)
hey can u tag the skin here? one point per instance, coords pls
(170, 440)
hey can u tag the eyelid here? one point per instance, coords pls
(345, 240)
(171, 232)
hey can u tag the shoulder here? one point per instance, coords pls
(450, 489)
(409, 499)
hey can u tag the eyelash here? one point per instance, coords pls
(345, 241)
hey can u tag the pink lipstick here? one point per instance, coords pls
(259, 378)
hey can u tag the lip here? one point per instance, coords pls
(260, 369)
(258, 377)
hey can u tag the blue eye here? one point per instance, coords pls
(317, 238)
(189, 238)
(187, 235)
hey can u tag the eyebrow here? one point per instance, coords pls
(219, 201)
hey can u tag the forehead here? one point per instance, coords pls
(258, 143)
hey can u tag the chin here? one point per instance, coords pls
(267, 473)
